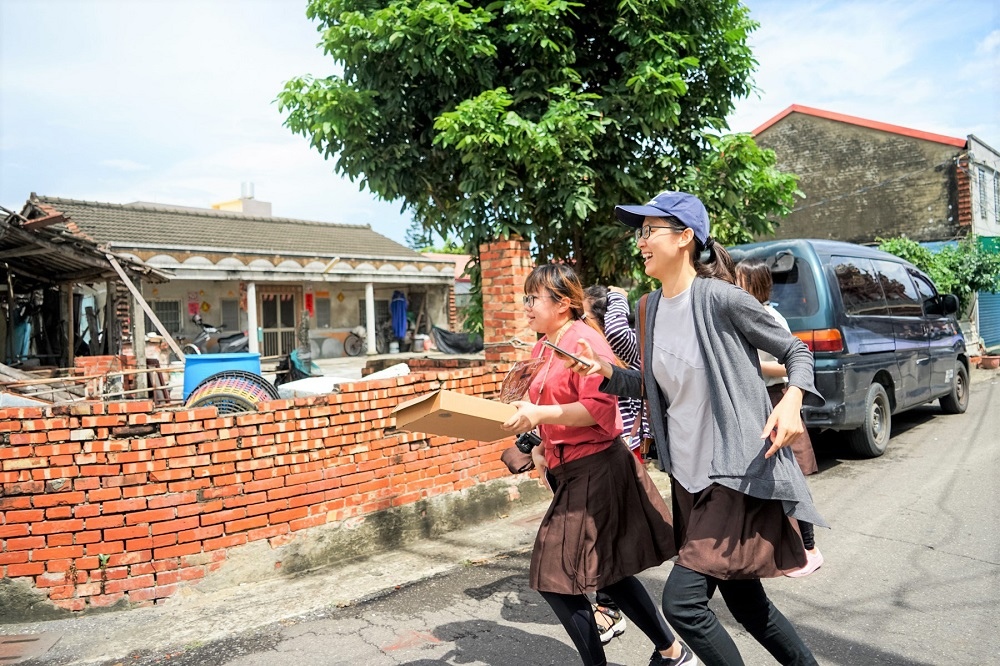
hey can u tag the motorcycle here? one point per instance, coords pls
(211, 341)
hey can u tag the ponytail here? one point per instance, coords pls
(719, 264)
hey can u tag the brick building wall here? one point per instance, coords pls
(862, 183)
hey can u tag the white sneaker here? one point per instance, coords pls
(814, 560)
(610, 622)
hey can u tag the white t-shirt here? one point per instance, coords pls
(766, 357)
(680, 372)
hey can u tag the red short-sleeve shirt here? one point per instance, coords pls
(561, 386)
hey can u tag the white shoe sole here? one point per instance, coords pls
(615, 630)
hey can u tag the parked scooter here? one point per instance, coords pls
(210, 340)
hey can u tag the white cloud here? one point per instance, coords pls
(186, 88)
(989, 45)
(908, 63)
(124, 165)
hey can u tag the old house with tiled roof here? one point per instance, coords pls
(864, 179)
(240, 266)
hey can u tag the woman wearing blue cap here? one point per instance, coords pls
(735, 484)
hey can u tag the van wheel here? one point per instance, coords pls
(872, 438)
(957, 401)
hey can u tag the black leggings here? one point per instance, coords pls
(604, 599)
(685, 603)
(808, 534)
(577, 617)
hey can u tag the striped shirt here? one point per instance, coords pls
(621, 336)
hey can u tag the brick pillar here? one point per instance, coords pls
(452, 310)
(505, 266)
(964, 188)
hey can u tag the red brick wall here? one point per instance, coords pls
(505, 266)
(423, 364)
(452, 310)
(99, 367)
(964, 194)
(110, 503)
(103, 503)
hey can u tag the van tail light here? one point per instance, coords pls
(825, 340)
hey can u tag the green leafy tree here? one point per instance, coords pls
(417, 238)
(963, 269)
(536, 117)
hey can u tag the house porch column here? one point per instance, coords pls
(253, 331)
(370, 317)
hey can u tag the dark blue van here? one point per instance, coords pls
(883, 338)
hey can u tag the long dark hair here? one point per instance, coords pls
(597, 298)
(719, 264)
(754, 276)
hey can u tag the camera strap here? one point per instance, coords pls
(545, 375)
(640, 417)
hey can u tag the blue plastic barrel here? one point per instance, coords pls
(199, 366)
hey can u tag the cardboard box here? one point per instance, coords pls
(454, 414)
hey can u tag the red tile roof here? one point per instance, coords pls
(863, 122)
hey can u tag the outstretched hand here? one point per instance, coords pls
(586, 352)
(784, 426)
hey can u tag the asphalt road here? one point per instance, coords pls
(912, 576)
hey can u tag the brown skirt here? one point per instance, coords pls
(726, 534)
(801, 447)
(607, 521)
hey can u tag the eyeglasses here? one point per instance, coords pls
(529, 300)
(643, 231)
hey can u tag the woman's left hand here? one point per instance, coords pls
(524, 419)
(538, 457)
(784, 425)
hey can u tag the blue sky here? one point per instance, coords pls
(172, 100)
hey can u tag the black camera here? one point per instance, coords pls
(527, 441)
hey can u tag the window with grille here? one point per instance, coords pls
(169, 314)
(382, 313)
(462, 295)
(322, 312)
(996, 197)
(982, 192)
(231, 314)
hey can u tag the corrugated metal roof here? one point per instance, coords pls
(143, 224)
(39, 251)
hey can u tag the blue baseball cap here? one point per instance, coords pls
(680, 205)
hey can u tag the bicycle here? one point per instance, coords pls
(356, 341)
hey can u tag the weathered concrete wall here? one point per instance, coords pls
(862, 183)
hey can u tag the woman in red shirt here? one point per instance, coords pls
(607, 521)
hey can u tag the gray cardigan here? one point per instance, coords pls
(731, 326)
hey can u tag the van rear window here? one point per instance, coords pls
(793, 293)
